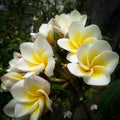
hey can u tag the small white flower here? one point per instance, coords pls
(93, 107)
(81, 98)
(68, 114)
(35, 18)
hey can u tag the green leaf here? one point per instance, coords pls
(89, 94)
(109, 97)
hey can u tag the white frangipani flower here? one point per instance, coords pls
(96, 63)
(36, 57)
(62, 22)
(9, 79)
(79, 35)
(30, 98)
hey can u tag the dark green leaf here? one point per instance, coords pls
(109, 97)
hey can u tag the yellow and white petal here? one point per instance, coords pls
(23, 109)
(90, 40)
(66, 44)
(36, 113)
(77, 70)
(41, 44)
(91, 31)
(74, 33)
(19, 93)
(27, 51)
(10, 79)
(82, 55)
(37, 68)
(44, 29)
(45, 98)
(50, 67)
(107, 59)
(98, 47)
(10, 108)
(12, 76)
(72, 57)
(99, 77)
(33, 83)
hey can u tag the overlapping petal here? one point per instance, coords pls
(34, 83)
(99, 77)
(78, 36)
(13, 62)
(62, 22)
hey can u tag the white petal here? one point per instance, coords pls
(98, 47)
(91, 31)
(42, 45)
(50, 67)
(12, 76)
(66, 44)
(82, 56)
(90, 40)
(10, 79)
(77, 70)
(36, 113)
(22, 109)
(19, 93)
(27, 52)
(107, 59)
(34, 83)
(48, 102)
(38, 69)
(99, 77)
(72, 57)
(44, 29)
(74, 33)
(76, 16)
(23, 65)
(9, 108)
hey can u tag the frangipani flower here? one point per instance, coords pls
(46, 30)
(79, 35)
(62, 22)
(9, 79)
(30, 98)
(96, 63)
(36, 57)
(13, 62)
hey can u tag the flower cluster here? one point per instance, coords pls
(89, 57)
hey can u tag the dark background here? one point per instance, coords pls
(16, 19)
